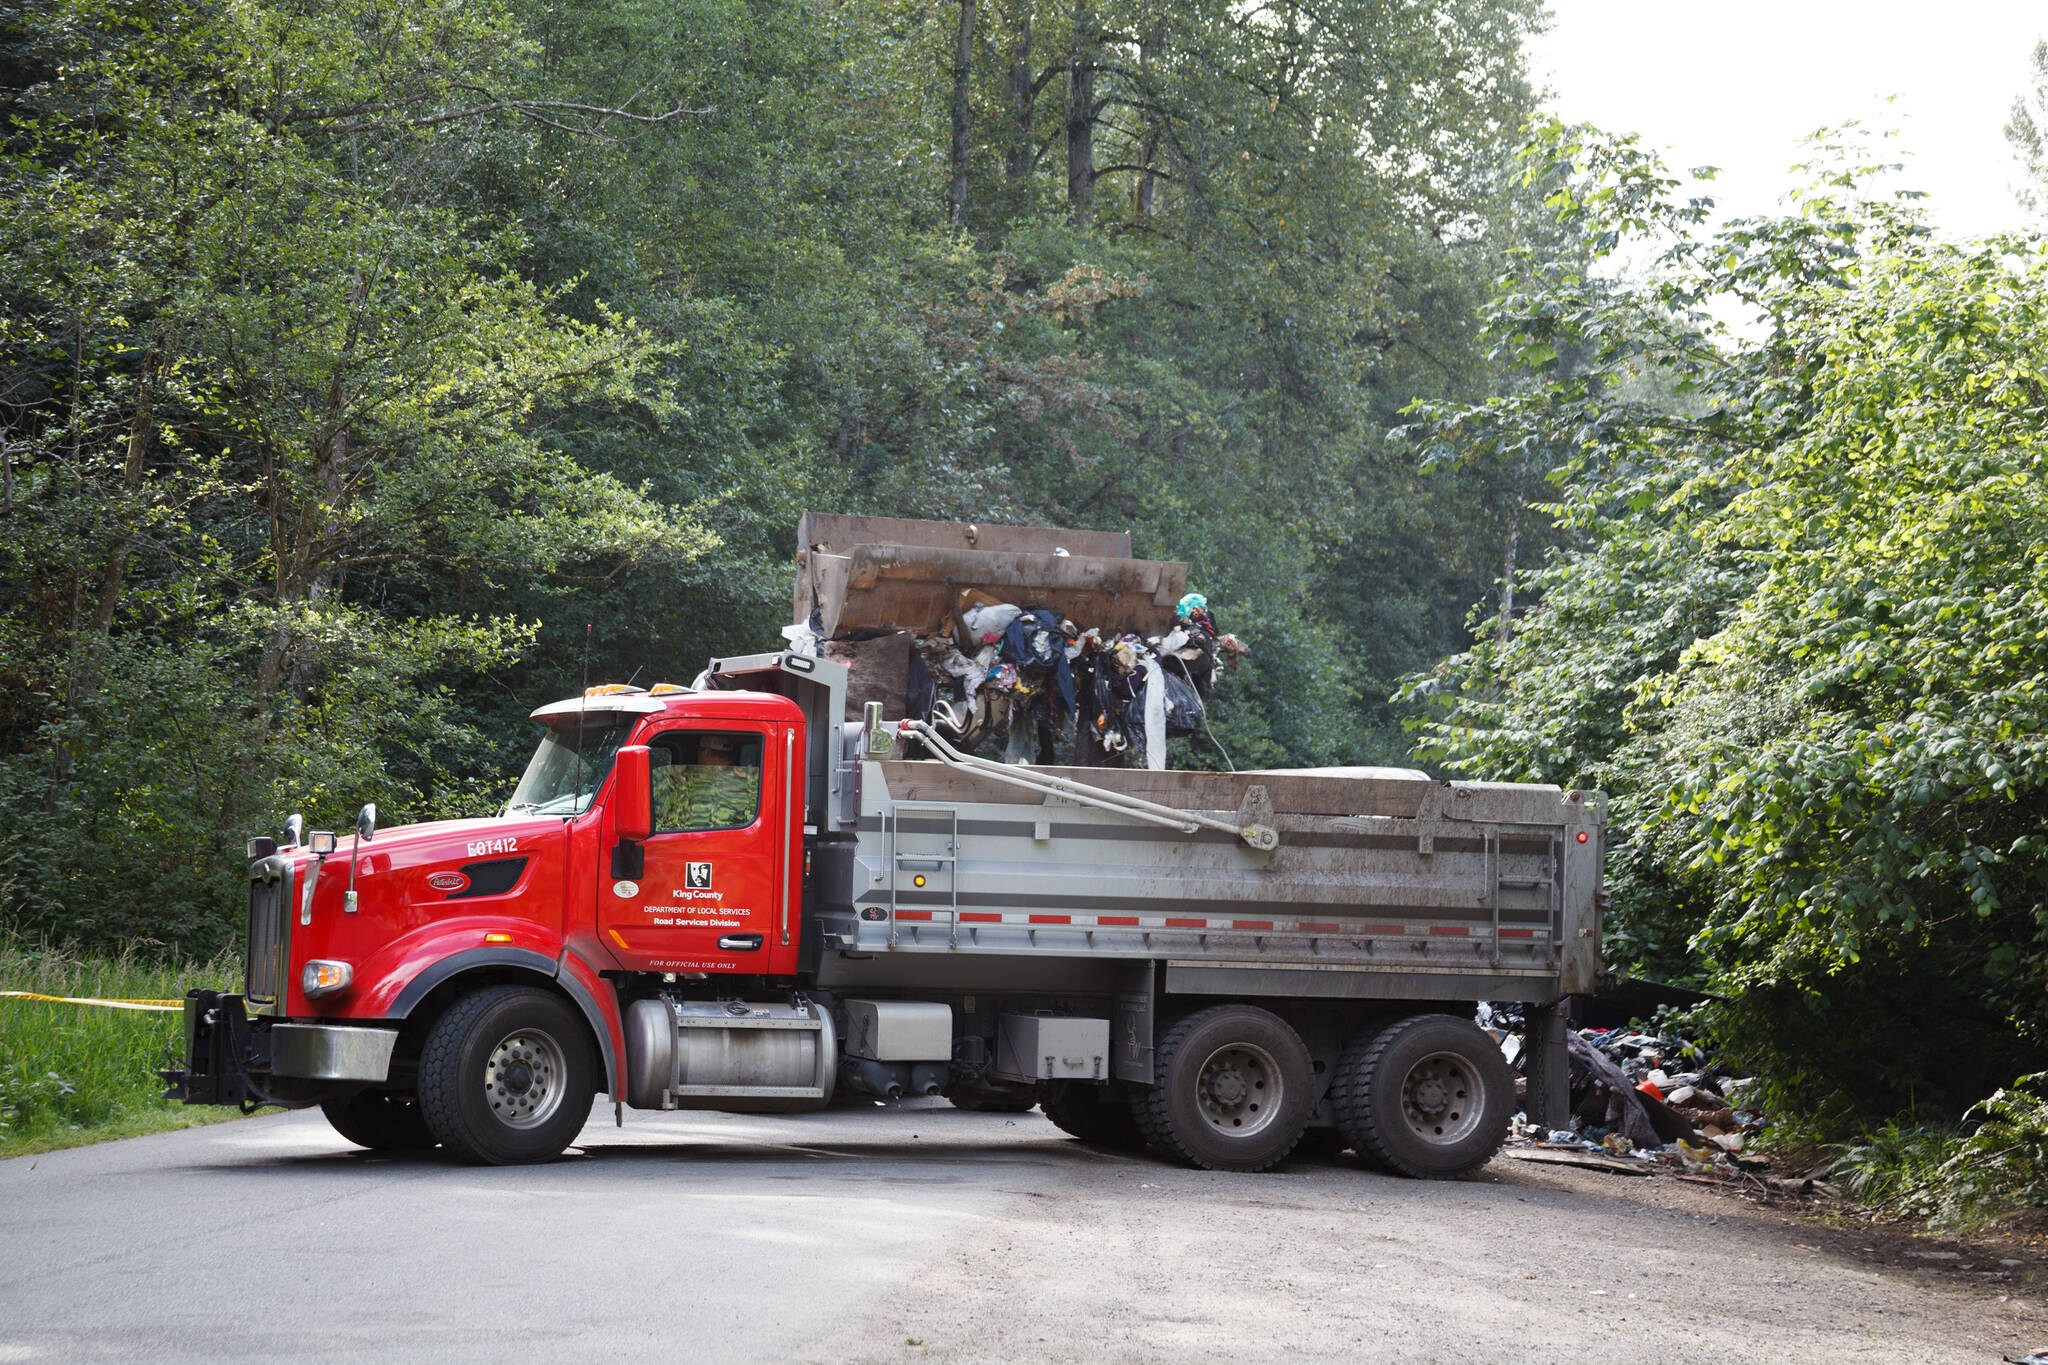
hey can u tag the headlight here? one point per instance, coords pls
(325, 978)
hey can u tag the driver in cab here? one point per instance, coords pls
(717, 791)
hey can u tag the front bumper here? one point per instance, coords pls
(231, 1058)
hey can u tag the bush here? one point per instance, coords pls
(1956, 1177)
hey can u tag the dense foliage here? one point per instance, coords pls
(1801, 633)
(355, 357)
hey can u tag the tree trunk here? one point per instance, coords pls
(333, 483)
(1507, 587)
(963, 67)
(1081, 114)
(304, 577)
(1023, 101)
(1148, 148)
(303, 547)
(89, 637)
(140, 426)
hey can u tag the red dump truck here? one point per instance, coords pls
(1209, 965)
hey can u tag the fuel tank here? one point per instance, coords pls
(732, 1055)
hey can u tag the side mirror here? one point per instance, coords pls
(633, 793)
(366, 821)
(294, 831)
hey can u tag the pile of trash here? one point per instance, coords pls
(1015, 678)
(1642, 1097)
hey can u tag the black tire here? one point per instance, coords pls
(1352, 1064)
(1428, 1096)
(506, 1076)
(1096, 1114)
(979, 1103)
(381, 1120)
(1231, 1091)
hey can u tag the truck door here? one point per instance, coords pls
(710, 894)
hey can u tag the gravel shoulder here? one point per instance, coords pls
(1137, 1261)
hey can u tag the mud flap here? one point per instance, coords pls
(1548, 1067)
(1131, 1023)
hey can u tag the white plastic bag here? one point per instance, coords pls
(1155, 716)
(992, 619)
(802, 639)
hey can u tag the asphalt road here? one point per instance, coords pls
(920, 1233)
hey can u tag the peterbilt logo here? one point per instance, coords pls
(447, 881)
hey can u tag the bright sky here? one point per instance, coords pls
(1738, 83)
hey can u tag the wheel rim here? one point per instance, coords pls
(523, 1078)
(1443, 1098)
(1239, 1091)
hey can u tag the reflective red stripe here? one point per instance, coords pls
(1190, 922)
(1518, 933)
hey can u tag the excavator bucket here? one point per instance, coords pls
(890, 573)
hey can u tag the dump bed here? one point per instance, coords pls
(1385, 883)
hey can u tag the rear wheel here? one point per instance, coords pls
(1231, 1090)
(1351, 1066)
(506, 1076)
(381, 1120)
(1096, 1114)
(1428, 1097)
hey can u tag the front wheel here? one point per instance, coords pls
(381, 1120)
(1428, 1097)
(506, 1076)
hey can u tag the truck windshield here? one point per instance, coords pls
(556, 783)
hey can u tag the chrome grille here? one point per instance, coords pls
(269, 937)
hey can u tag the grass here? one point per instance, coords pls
(1956, 1177)
(1897, 1167)
(72, 1074)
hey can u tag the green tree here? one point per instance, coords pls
(1210, 356)
(1798, 633)
(252, 361)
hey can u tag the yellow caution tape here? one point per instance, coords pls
(87, 1000)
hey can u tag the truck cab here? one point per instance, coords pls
(359, 943)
